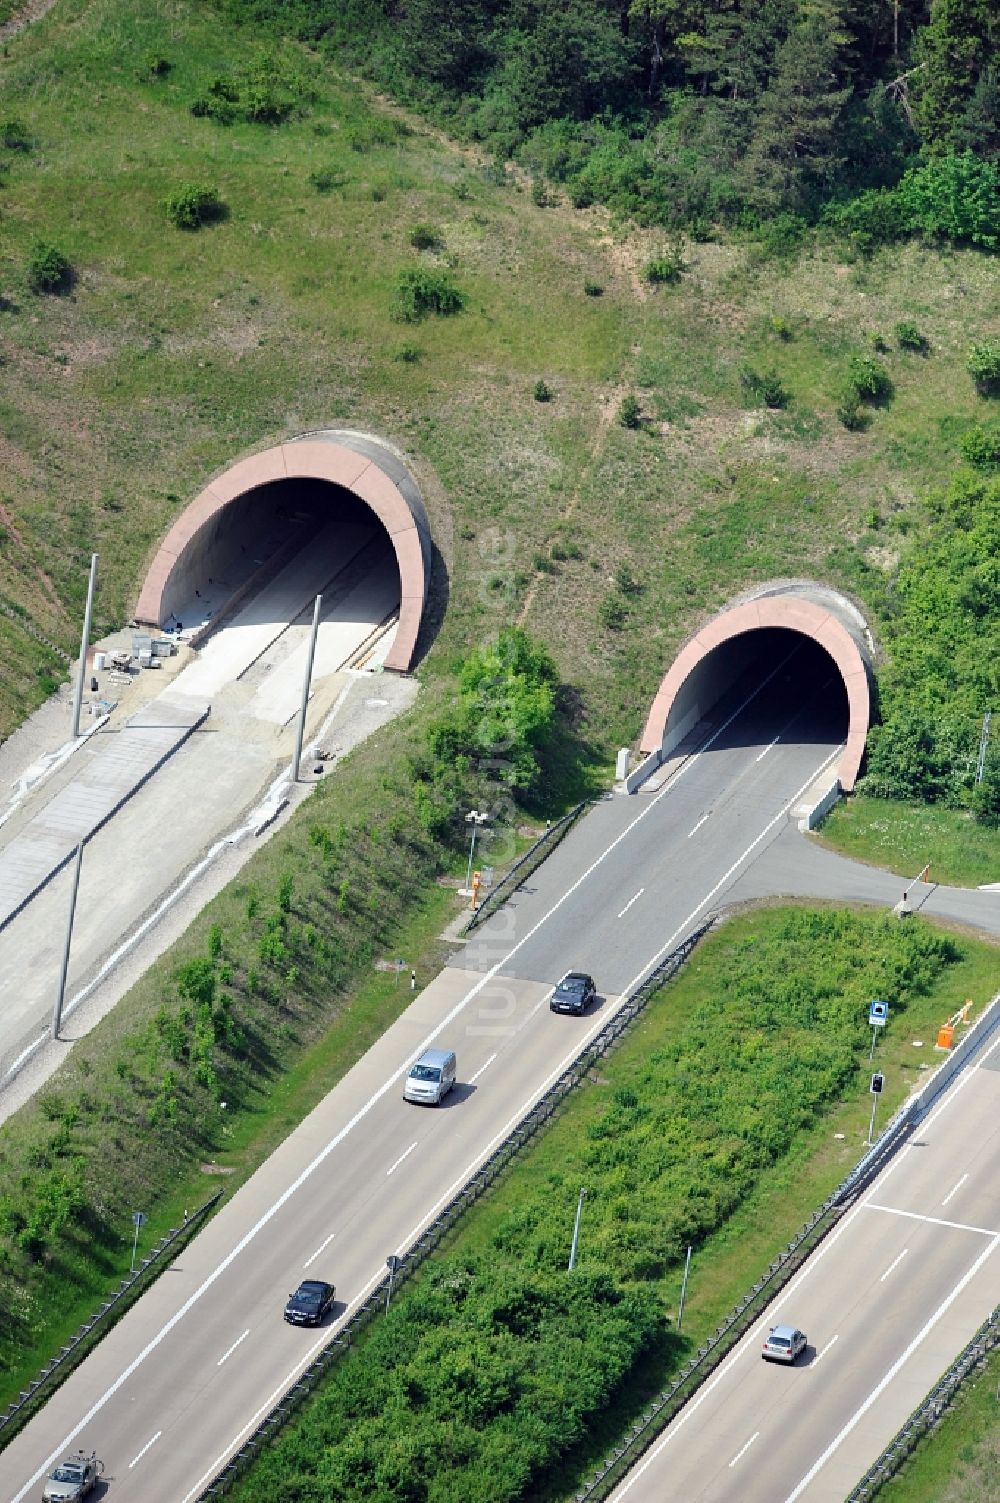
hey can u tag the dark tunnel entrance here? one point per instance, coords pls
(797, 647)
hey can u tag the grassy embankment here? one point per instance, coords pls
(906, 837)
(687, 1133)
(960, 1461)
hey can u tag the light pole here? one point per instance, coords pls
(684, 1289)
(576, 1230)
(475, 818)
(84, 644)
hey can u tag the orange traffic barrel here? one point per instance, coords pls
(946, 1034)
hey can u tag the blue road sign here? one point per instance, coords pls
(878, 1014)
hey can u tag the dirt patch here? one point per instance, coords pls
(24, 17)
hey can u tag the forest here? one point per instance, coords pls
(691, 114)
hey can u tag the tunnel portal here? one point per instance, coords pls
(336, 490)
(798, 639)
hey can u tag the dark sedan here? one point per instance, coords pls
(574, 993)
(310, 1304)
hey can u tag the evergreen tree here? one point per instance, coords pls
(954, 84)
(796, 148)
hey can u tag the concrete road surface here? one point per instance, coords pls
(890, 1298)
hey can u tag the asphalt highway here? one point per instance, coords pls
(891, 1297)
(171, 1391)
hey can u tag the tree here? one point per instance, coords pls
(795, 151)
(954, 85)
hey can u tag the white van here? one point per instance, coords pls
(431, 1077)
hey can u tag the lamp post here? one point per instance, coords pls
(475, 818)
(576, 1230)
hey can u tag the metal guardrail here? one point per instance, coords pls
(540, 1114)
(928, 1414)
(66, 1358)
(525, 865)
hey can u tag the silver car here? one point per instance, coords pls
(74, 1478)
(783, 1344)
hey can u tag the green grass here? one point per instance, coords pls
(959, 1462)
(906, 837)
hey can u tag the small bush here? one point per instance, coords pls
(612, 612)
(869, 378)
(593, 289)
(426, 237)
(14, 135)
(668, 267)
(407, 354)
(763, 388)
(48, 269)
(561, 551)
(781, 328)
(782, 237)
(630, 413)
(542, 392)
(851, 413)
(983, 366)
(875, 218)
(540, 193)
(324, 181)
(155, 65)
(625, 581)
(909, 337)
(980, 447)
(879, 342)
(420, 291)
(193, 205)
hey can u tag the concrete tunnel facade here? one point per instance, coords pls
(358, 464)
(716, 655)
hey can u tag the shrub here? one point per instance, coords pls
(870, 379)
(909, 337)
(561, 551)
(426, 237)
(421, 291)
(625, 581)
(542, 392)
(630, 413)
(323, 180)
(983, 366)
(954, 197)
(193, 205)
(764, 389)
(593, 289)
(540, 193)
(668, 267)
(407, 354)
(780, 328)
(612, 612)
(155, 65)
(875, 218)
(14, 135)
(850, 411)
(48, 269)
(980, 447)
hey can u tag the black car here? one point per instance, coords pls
(310, 1304)
(573, 993)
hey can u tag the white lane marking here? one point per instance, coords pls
(482, 1068)
(820, 1355)
(745, 1448)
(697, 826)
(767, 748)
(145, 1448)
(402, 1156)
(951, 1192)
(894, 1264)
(232, 1349)
(752, 1337)
(628, 905)
(393, 1080)
(956, 1226)
(321, 1249)
(900, 1362)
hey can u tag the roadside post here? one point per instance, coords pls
(392, 1263)
(138, 1219)
(877, 1085)
(684, 1286)
(576, 1230)
(474, 819)
(878, 1016)
(306, 682)
(88, 616)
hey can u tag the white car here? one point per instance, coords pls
(783, 1344)
(74, 1478)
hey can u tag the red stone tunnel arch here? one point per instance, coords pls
(813, 612)
(357, 463)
